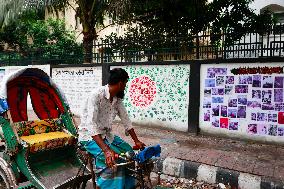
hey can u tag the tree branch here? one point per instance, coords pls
(107, 27)
(71, 6)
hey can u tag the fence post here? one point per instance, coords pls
(105, 72)
(194, 98)
(197, 47)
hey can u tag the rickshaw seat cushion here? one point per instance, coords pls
(45, 141)
(26, 128)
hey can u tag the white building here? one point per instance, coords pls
(271, 44)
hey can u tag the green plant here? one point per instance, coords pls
(33, 38)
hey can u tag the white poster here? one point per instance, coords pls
(243, 100)
(76, 82)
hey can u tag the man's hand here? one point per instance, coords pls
(110, 156)
(139, 145)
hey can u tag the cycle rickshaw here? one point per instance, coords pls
(42, 153)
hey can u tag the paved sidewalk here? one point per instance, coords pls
(229, 156)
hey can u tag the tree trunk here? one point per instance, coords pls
(88, 43)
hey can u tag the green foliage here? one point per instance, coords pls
(174, 25)
(46, 39)
(182, 18)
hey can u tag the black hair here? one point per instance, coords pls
(116, 75)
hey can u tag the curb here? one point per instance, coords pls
(212, 174)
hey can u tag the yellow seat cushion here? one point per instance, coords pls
(26, 128)
(43, 141)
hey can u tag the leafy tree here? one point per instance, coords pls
(31, 36)
(91, 14)
(176, 24)
(160, 18)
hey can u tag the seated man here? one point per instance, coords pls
(95, 131)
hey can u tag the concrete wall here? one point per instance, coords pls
(157, 95)
(246, 106)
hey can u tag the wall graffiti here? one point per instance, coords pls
(76, 82)
(249, 103)
(158, 95)
(142, 91)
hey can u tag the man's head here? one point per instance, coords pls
(118, 78)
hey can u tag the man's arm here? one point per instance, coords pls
(109, 154)
(138, 143)
(126, 122)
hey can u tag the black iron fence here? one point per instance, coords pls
(203, 46)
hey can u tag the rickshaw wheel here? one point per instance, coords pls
(4, 181)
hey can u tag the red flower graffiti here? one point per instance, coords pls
(142, 91)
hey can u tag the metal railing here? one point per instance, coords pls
(203, 46)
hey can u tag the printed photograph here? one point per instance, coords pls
(224, 123)
(245, 79)
(233, 102)
(232, 113)
(279, 107)
(207, 115)
(266, 96)
(220, 91)
(215, 122)
(280, 131)
(211, 72)
(253, 116)
(214, 91)
(256, 81)
(267, 82)
(252, 129)
(278, 95)
(230, 79)
(281, 117)
(272, 130)
(221, 71)
(266, 106)
(207, 92)
(209, 82)
(241, 89)
(272, 118)
(215, 110)
(256, 94)
(253, 104)
(233, 125)
(241, 112)
(242, 99)
(207, 103)
(220, 81)
(229, 89)
(261, 116)
(278, 82)
(224, 111)
(218, 99)
(261, 129)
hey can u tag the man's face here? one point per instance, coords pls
(122, 85)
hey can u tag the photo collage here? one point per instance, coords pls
(252, 101)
